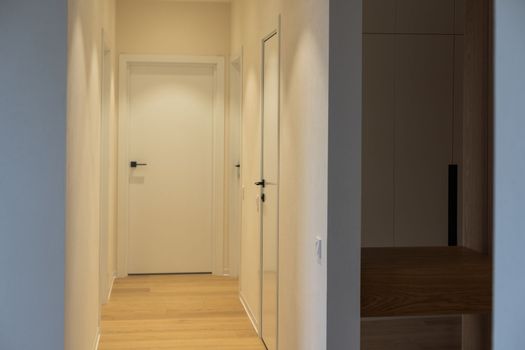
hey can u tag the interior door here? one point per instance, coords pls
(171, 168)
(235, 207)
(270, 190)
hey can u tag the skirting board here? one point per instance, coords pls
(97, 339)
(111, 286)
(249, 312)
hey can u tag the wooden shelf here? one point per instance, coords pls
(424, 282)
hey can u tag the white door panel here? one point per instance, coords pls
(270, 174)
(170, 199)
(235, 198)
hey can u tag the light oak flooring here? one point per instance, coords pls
(187, 312)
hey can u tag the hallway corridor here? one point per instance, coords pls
(182, 312)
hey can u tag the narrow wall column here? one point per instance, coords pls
(509, 176)
(344, 175)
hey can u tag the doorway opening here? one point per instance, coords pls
(426, 238)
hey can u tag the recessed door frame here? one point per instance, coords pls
(215, 62)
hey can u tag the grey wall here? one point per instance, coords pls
(344, 176)
(33, 39)
(509, 186)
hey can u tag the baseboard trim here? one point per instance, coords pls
(111, 287)
(97, 339)
(249, 312)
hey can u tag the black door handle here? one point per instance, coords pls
(261, 183)
(134, 164)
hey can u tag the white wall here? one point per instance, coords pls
(32, 173)
(304, 161)
(86, 20)
(509, 188)
(245, 29)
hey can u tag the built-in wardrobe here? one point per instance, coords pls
(426, 259)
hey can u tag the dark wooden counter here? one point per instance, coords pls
(424, 282)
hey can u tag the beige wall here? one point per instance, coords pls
(304, 161)
(86, 20)
(167, 27)
(110, 29)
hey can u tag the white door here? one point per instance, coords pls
(270, 191)
(235, 211)
(170, 196)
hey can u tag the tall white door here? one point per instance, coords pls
(171, 186)
(235, 200)
(270, 191)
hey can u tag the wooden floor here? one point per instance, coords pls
(176, 312)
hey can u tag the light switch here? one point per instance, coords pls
(319, 249)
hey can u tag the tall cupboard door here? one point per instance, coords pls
(424, 118)
(408, 138)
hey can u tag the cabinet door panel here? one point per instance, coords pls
(425, 16)
(378, 140)
(423, 138)
(379, 16)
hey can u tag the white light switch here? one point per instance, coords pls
(319, 249)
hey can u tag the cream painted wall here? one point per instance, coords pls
(164, 27)
(304, 161)
(110, 29)
(86, 21)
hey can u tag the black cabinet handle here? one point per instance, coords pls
(261, 183)
(135, 164)
(453, 176)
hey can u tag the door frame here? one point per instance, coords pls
(217, 63)
(270, 35)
